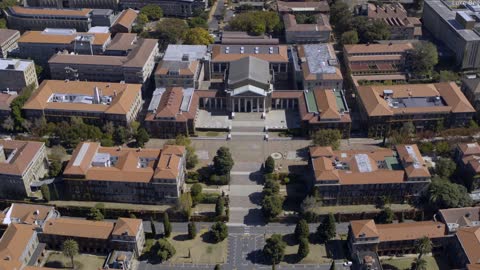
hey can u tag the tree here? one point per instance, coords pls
(349, 37)
(424, 57)
(218, 267)
(327, 229)
(219, 206)
(370, 30)
(271, 187)
(142, 137)
(385, 216)
(408, 129)
(95, 214)
(223, 161)
(443, 194)
(445, 167)
(327, 137)
(196, 193)
(8, 124)
(303, 248)
(167, 226)
(419, 264)
(197, 22)
(423, 246)
(165, 250)
(45, 192)
(120, 135)
(274, 249)
(70, 250)
(198, 36)
(152, 226)
(3, 23)
(442, 148)
(219, 231)
(153, 12)
(256, 22)
(301, 230)
(17, 105)
(271, 206)
(191, 158)
(426, 148)
(448, 76)
(171, 30)
(308, 204)
(341, 17)
(192, 230)
(54, 168)
(269, 165)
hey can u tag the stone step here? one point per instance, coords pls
(248, 129)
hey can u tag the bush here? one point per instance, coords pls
(219, 231)
(219, 180)
(209, 198)
(165, 250)
(269, 165)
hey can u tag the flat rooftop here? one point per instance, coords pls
(62, 36)
(320, 58)
(180, 52)
(14, 64)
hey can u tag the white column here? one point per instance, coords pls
(258, 104)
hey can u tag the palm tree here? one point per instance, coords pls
(70, 249)
(423, 246)
(419, 264)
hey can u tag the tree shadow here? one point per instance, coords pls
(257, 177)
(289, 239)
(55, 264)
(256, 257)
(254, 217)
(292, 258)
(256, 198)
(208, 238)
(181, 237)
(336, 249)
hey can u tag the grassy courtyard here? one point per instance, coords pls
(57, 260)
(433, 263)
(201, 252)
(317, 254)
(347, 209)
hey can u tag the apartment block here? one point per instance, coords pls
(8, 41)
(41, 45)
(425, 105)
(16, 74)
(316, 67)
(361, 177)
(124, 22)
(103, 4)
(177, 8)
(396, 17)
(23, 19)
(172, 112)
(135, 67)
(22, 163)
(367, 240)
(181, 66)
(456, 27)
(377, 62)
(317, 31)
(127, 175)
(94, 102)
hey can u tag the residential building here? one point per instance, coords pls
(316, 31)
(6, 99)
(464, 250)
(127, 175)
(94, 102)
(16, 74)
(223, 55)
(361, 177)
(136, 67)
(177, 8)
(17, 245)
(467, 157)
(396, 17)
(456, 27)
(172, 112)
(303, 7)
(364, 236)
(8, 41)
(22, 163)
(457, 218)
(377, 62)
(425, 105)
(23, 19)
(105, 4)
(41, 45)
(124, 22)
(316, 66)
(181, 66)
(243, 38)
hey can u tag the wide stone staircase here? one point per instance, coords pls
(248, 124)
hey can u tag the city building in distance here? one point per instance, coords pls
(361, 177)
(127, 175)
(176, 8)
(94, 102)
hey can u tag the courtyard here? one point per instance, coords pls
(57, 260)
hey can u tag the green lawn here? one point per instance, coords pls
(317, 254)
(82, 261)
(110, 205)
(347, 209)
(200, 251)
(433, 263)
